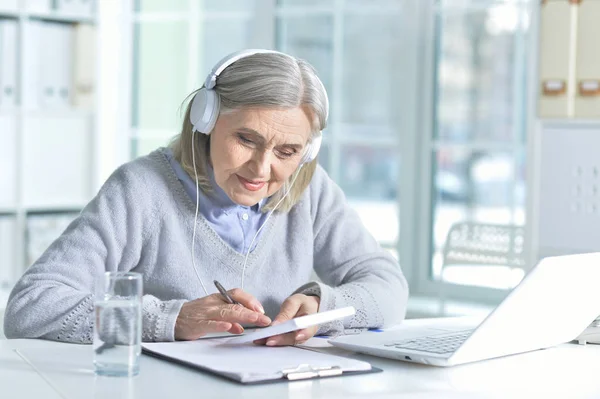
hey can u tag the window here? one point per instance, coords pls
(176, 44)
(477, 144)
(360, 72)
(427, 119)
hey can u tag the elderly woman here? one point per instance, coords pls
(237, 197)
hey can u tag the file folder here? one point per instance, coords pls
(63, 34)
(255, 364)
(8, 66)
(56, 73)
(49, 65)
(587, 98)
(7, 252)
(79, 8)
(39, 6)
(9, 5)
(84, 66)
(555, 99)
(31, 91)
(8, 161)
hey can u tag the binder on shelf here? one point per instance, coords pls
(587, 97)
(239, 362)
(86, 8)
(554, 66)
(48, 65)
(32, 48)
(56, 66)
(39, 6)
(8, 161)
(9, 5)
(7, 252)
(64, 65)
(65, 7)
(84, 65)
(8, 66)
(78, 8)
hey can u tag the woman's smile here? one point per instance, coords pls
(251, 185)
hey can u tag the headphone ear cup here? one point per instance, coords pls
(205, 110)
(312, 150)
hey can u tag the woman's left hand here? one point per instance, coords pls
(295, 306)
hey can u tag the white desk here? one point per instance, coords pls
(45, 369)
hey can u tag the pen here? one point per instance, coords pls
(225, 294)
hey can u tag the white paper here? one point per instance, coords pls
(296, 324)
(249, 362)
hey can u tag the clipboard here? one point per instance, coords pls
(269, 365)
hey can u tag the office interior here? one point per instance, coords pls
(461, 131)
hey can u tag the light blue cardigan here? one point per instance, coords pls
(142, 220)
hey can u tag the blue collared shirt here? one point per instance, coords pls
(235, 224)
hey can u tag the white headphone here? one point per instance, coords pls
(204, 112)
(206, 103)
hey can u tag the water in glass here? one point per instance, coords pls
(117, 336)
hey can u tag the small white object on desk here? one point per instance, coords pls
(590, 335)
(297, 323)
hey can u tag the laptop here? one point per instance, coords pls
(553, 304)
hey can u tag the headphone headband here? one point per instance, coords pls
(211, 79)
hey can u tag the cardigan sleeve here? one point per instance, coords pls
(54, 299)
(353, 268)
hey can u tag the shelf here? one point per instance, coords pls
(47, 156)
(562, 122)
(58, 112)
(48, 16)
(54, 208)
(47, 112)
(57, 17)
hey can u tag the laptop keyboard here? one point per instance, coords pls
(446, 343)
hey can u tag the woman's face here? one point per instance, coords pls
(254, 151)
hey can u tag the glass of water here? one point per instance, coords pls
(118, 324)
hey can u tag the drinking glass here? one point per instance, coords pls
(118, 324)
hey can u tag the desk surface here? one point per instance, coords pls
(37, 368)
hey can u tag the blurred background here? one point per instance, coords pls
(429, 111)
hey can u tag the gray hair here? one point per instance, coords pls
(263, 80)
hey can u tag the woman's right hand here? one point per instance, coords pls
(213, 314)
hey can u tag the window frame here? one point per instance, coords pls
(421, 281)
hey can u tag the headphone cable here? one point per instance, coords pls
(265, 223)
(196, 214)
